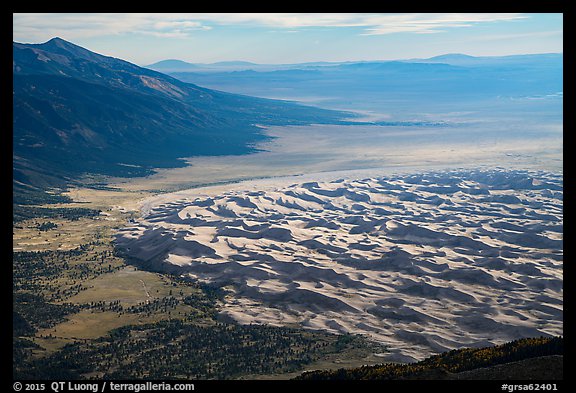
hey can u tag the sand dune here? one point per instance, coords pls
(421, 262)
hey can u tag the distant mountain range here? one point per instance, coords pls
(76, 112)
(457, 59)
(403, 90)
(466, 60)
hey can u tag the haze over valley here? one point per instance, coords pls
(448, 111)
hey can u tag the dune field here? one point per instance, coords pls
(422, 263)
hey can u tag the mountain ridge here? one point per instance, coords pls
(508, 361)
(77, 112)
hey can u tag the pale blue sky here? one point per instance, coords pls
(295, 38)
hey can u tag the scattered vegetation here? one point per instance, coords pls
(46, 226)
(179, 350)
(22, 213)
(28, 204)
(34, 313)
(59, 274)
(27, 196)
(455, 361)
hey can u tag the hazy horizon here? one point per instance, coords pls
(344, 61)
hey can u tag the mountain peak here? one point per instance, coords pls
(62, 47)
(172, 65)
(58, 40)
(453, 56)
(62, 58)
